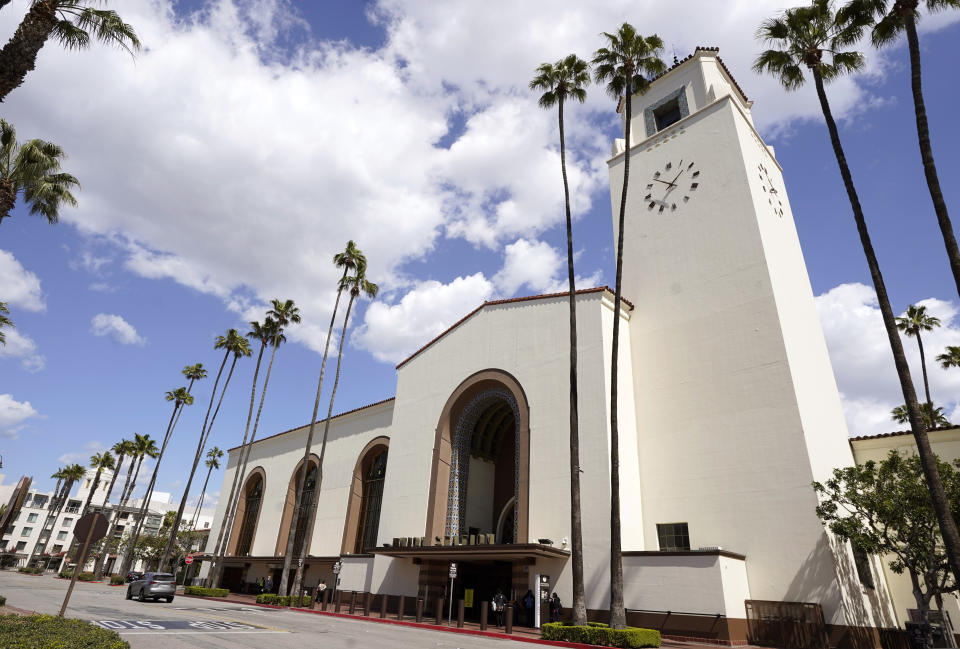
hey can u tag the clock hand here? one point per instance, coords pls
(662, 181)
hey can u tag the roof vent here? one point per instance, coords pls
(709, 548)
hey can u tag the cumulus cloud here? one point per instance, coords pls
(863, 363)
(23, 348)
(13, 414)
(82, 457)
(108, 324)
(21, 288)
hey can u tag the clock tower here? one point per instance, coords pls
(736, 404)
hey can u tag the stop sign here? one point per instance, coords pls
(189, 559)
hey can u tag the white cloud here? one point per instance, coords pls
(393, 332)
(863, 363)
(13, 414)
(107, 324)
(534, 264)
(82, 457)
(20, 287)
(24, 348)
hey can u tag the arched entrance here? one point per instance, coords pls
(481, 460)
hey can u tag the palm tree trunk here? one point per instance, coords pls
(618, 614)
(579, 607)
(103, 544)
(306, 451)
(203, 492)
(308, 536)
(19, 55)
(928, 460)
(193, 469)
(98, 569)
(74, 546)
(923, 368)
(8, 197)
(246, 459)
(52, 507)
(926, 149)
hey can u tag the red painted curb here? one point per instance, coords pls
(80, 581)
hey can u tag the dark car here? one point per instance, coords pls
(133, 576)
(153, 585)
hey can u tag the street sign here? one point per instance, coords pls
(189, 559)
(453, 570)
(96, 524)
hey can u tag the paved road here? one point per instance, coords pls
(190, 623)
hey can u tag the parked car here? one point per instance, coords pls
(153, 585)
(133, 576)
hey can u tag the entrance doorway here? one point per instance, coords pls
(483, 579)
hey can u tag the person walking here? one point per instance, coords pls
(499, 604)
(321, 587)
(555, 608)
(528, 607)
(268, 584)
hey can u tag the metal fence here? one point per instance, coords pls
(786, 625)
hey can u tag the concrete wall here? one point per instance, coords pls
(693, 583)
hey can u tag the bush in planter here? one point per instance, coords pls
(83, 576)
(47, 631)
(268, 598)
(200, 591)
(117, 580)
(601, 635)
(3, 600)
(31, 570)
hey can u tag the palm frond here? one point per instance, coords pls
(105, 25)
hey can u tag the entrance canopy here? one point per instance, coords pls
(493, 552)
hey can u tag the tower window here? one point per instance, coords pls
(673, 536)
(862, 560)
(667, 114)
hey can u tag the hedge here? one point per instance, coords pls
(50, 632)
(200, 591)
(117, 580)
(278, 600)
(31, 570)
(83, 576)
(594, 634)
(3, 600)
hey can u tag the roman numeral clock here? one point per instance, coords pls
(672, 187)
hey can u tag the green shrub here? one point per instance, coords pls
(268, 598)
(278, 600)
(200, 591)
(117, 580)
(31, 570)
(83, 576)
(3, 600)
(601, 635)
(47, 632)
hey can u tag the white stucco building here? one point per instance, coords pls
(728, 410)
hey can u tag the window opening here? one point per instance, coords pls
(673, 536)
(370, 507)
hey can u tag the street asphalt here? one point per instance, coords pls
(191, 622)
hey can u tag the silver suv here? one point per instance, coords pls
(153, 585)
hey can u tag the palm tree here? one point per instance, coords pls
(932, 417)
(72, 23)
(212, 462)
(4, 322)
(803, 36)
(234, 343)
(892, 19)
(70, 474)
(280, 314)
(950, 358)
(98, 461)
(143, 446)
(52, 510)
(627, 64)
(180, 397)
(351, 259)
(123, 449)
(915, 321)
(32, 168)
(568, 78)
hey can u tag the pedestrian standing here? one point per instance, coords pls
(268, 585)
(555, 608)
(499, 603)
(527, 602)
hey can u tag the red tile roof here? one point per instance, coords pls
(598, 289)
(898, 433)
(342, 414)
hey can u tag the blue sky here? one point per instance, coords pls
(252, 138)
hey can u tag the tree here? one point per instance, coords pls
(98, 461)
(4, 322)
(885, 508)
(568, 78)
(124, 448)
(912, 323)
(33, 169)
(233, 343)
(933, 417)
(892, 18)
(52, 510)
(626, 64)
(72, 23)
(815, 37)
(357, 285)
(950, 358)
(66, 478)
(280, 314)
(212, 462)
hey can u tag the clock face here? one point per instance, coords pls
(773, 196)
(672, 186)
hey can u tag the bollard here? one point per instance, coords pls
(508, 621)
(460, 606)
(383, 606)
(403, 601)
(353, 603)
(339, 602)
(368, 605)
(439, 611)
(326, 600)
(419, 610)
(483, 616)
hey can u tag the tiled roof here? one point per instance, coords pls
(598, 289)
(687, 58)
(320, 421)
(898, 433)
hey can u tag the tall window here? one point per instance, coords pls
(250, 513)
(370, 507)
(306, 504)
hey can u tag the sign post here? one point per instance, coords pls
(453, 575)
(91, 528)
(336, 580)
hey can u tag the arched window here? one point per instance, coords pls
(369, 522)
(254, 495)
(306, 505)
